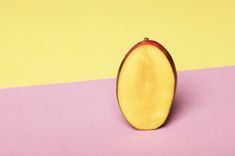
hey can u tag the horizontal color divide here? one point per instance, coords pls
(84, 119)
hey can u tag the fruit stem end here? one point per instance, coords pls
(146, 38)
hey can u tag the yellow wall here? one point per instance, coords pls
(54, 41)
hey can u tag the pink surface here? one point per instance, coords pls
(83, 119)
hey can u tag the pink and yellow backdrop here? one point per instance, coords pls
(59, 60)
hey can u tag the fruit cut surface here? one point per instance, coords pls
(146, 86)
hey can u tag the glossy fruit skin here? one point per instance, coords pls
(146, 41)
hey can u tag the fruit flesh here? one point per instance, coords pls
(146, 85)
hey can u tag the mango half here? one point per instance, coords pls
(146, 85)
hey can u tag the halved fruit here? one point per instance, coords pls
(146, 85)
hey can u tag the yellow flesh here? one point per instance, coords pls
(146, 87)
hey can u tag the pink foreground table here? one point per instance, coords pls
(83, 119)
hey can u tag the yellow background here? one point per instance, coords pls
(53, 41)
